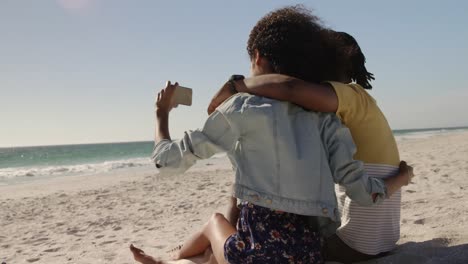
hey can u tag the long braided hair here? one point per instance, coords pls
(353, 59)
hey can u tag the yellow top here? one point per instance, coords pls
(370, 130)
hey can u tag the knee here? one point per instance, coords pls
(214, 220)
(216, 217)
(233, 201)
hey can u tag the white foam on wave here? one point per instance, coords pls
(64, 170)
(425, 134)
(418, 135)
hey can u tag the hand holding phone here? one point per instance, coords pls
(171, 96)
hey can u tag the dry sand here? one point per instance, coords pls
(93, 219)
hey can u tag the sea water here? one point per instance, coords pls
(46, 161)
(28, 163)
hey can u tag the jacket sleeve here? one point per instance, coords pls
(346, 171)
(177, 156)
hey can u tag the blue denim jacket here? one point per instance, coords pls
(285, 158)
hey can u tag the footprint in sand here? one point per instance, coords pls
(421, 221)
(109, 257)
(108, 242)
(52, 249)
(33, 260)
(421, 201)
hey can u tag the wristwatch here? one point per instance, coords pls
(232, 82)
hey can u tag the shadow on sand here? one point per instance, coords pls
(433, 251)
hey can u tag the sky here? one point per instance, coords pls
(87, 71)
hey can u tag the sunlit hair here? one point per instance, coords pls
(296, 43)
(292, 40)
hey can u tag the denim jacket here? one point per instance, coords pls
(285, 158)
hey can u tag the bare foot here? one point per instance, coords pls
(141, 257)
(174, 253)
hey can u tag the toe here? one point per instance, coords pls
(136, 250)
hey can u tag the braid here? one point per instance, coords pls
(359, 73)
(356, 60)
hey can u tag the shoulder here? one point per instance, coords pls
(233, 104)
(350, 91)
(354, 103)
(242, 102)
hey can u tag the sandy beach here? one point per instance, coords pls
(94, 218)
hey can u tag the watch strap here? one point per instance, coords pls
(232, 82)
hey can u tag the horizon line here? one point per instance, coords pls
(142, 141)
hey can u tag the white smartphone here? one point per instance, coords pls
(183, 96)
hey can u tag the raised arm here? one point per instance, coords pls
(163, 107)
(315, 97)
(177, 156)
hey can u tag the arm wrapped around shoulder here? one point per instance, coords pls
(346, 171)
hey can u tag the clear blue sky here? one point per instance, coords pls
(80, 71)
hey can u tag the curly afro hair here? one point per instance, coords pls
(295, 43)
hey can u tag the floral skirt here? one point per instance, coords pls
(269, 236)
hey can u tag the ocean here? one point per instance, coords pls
(19, 164)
